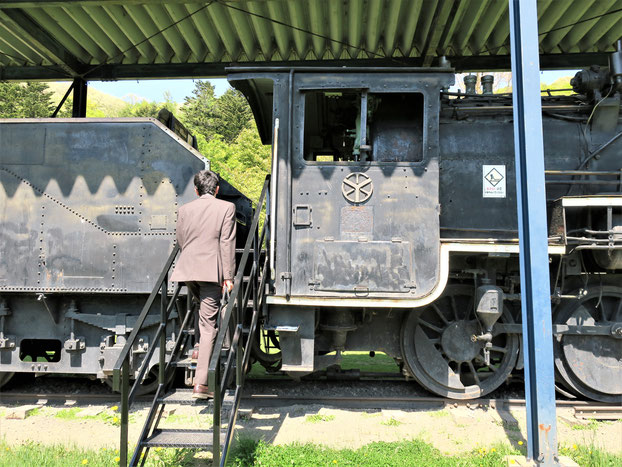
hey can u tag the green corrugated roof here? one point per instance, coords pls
(112, 39)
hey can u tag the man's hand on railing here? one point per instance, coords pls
(227, 285)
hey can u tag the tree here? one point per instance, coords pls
(198, 109)
(232, 115)
(25, 100)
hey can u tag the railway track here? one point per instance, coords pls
(355, 396)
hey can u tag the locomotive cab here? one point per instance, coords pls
(393, 227)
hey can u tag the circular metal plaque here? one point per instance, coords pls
(357, 187)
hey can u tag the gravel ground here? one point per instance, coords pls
(452, 430)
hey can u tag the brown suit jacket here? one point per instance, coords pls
(206, 235)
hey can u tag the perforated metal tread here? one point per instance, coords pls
(181, 438)
(184, 397)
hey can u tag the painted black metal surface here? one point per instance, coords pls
(87, 219)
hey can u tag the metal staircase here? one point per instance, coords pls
(240, 316)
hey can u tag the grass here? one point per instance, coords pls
(402, 454)
(317, 418)
(592, 425)
(68, 414)
(34, 454)
(381, 362)
(109, 416)
(248, 452)
(391, 422)
(351, 360)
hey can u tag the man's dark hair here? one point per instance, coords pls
(206, 182)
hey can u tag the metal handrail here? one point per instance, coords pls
(143, 315)
(121, 368)
(238, 302)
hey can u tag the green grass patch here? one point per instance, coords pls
(391, 422)
(252, 453)
(592, 425)
(402, 454)
(34, 454)
(381, 362)
(317, 418)
(589, 456)
(439, 414)
(35, 412)
(68, 414)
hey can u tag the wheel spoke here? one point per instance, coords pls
(475, 376)
(469, 309)
(430, 326)
(498, 349)
(454, 307)
(440, 314)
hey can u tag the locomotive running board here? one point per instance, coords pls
(446, 249)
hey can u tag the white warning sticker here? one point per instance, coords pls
(493, 182)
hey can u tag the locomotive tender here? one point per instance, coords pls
(87, 219)
(395, 226)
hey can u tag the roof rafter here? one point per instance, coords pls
(42, 41)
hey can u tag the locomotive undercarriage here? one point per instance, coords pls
(78, 334)
(454, 348)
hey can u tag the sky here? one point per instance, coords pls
(153, 90)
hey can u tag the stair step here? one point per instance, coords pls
(181, 438)
(185, 363)
(184, 397)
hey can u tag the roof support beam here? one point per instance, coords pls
(215, 70)
(67, 3)
(48, 46)
(79, 98)
(439, 23)
(533, 235)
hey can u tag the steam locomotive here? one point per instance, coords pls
(394, 225)
(87, 220)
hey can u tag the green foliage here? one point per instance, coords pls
(25, 100)
(405, 453)
(317, 418)
(198, 110)
(233, 115)
(590, 456)
(244, 163)
(31, 454)
(148, 109)
(224, 117)
(93, 110)
(391, 422)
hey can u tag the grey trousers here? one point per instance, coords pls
(209, 294)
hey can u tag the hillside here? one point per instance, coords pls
(99, 103)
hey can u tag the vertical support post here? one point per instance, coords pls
(79, 98)
(125, 393)
(534, 259)
(216, 426)
(163, 305)
(239, 324)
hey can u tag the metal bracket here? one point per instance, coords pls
(75, 344)
(7, 342)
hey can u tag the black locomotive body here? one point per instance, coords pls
(87, 219)
(395, 226)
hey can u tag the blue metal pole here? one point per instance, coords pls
(534, 259)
